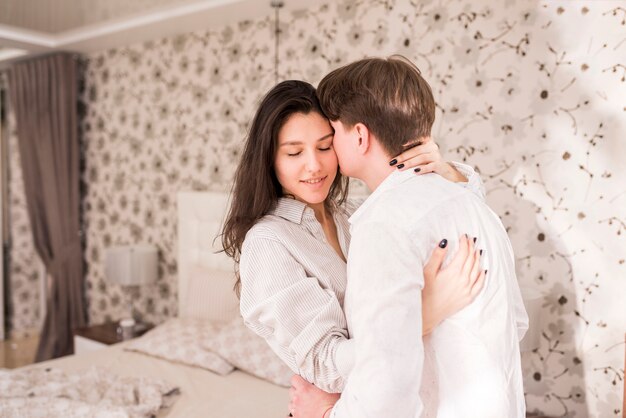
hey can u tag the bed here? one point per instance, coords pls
(202, 393)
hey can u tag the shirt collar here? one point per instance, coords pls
(295, 211)
(393, 179)
(289, 209)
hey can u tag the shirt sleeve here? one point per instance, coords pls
(474, 182)
(300, 320)
(521, 318)
(385, 283)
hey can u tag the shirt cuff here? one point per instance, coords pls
(464, 169)
(474, 182)
(344, 357)
(333, 413)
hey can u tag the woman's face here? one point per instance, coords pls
(305, 162)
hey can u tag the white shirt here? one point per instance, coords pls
(293, 285)
(470, 365)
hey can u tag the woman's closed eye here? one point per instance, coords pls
(326, 145)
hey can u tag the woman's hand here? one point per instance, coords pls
(448, 290)
(426, 158)
(307, 401)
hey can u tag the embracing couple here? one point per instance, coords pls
(404, 306)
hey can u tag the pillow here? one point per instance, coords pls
(247, 351)
(178, 340)
(210, 295)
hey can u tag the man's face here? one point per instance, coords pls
(344, 142)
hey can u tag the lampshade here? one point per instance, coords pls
(131, 265)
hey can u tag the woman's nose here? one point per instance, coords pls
(313, 163)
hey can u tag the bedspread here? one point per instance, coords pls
(94, 392)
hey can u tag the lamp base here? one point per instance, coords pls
(129, 328)
(126, 329)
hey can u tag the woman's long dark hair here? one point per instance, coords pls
(256, 188)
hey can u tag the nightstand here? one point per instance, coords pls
(97, 337)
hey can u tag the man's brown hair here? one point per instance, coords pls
(388, 95)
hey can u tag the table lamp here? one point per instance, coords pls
(131, 266)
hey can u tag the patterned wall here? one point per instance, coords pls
(531, 93)
(24, 264)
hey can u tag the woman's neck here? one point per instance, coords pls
(321, 212)
(324, 217)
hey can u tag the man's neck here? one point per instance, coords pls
(376, 173)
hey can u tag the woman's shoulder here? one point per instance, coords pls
(269, 227)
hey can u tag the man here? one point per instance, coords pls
(470, 365)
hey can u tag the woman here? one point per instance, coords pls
(287, 230)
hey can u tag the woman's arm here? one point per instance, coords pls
(474, 183)
(426, 158)
(302, 322)
(448, 290)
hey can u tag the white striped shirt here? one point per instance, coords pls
(293, 286)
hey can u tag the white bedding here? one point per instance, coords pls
(94, 392)
(203, 393)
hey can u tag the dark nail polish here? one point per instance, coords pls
(443, 243)
(475, 238)
(417, 170)
(481, 252)
(393, 162)
(486, 272)
(400, 166)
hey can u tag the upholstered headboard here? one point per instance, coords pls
(202, 270)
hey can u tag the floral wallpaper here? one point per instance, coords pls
(24, 264)
(531, 93)
(161, 117)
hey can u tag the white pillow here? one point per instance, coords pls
(248, 352)
(179, 340)
(210, 295)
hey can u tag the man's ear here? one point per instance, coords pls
(364, 138)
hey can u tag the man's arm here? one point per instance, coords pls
(384, 300)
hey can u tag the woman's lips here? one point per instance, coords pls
(316, 182)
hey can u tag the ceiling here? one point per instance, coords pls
(35, 27)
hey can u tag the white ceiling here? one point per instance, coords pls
(34, 27)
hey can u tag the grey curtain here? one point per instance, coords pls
(43, 94)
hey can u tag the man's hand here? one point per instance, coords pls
(307, 401)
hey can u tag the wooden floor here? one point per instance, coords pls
(18, 352)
